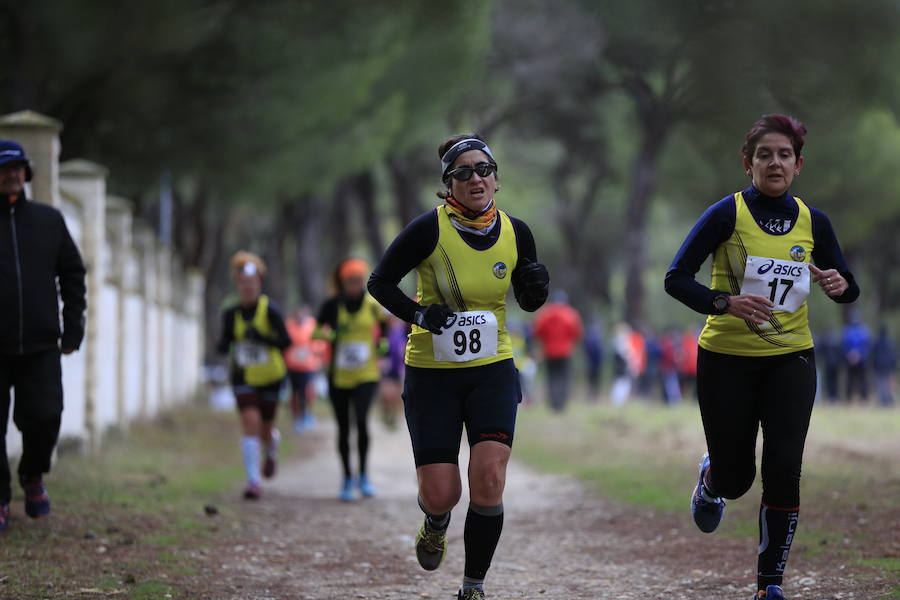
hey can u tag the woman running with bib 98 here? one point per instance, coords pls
(459, 359)
(756, 365)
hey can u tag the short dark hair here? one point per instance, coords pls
(774, 123)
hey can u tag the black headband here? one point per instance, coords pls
(458, 148)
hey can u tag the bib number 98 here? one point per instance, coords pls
(468, 336)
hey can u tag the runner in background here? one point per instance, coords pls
(354, 323)
(254, 334)
(304, 359)
(756, 365)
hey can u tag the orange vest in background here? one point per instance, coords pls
(305, 353)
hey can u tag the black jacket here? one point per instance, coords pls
(36, 252)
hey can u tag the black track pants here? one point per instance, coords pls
(737, 395)
(37, 380)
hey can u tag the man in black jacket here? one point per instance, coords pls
(39, 263)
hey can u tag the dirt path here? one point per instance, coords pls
(559, 541)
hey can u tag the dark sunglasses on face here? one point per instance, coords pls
(465, 173)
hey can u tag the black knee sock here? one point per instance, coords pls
(776, 532)
(481, 534)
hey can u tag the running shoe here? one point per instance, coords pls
(252, 491)
(299, 425)
(365, 486)
(346, 494)
(37, 500)
(4, 517)
(470, 594)
(431, 547)
(707, 515)
(773, 592)
(309, 421)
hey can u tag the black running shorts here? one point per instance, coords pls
(438, 402)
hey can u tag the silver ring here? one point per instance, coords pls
(828, 280)
(753, 313)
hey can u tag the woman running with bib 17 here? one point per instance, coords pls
(755, 364)
(459, 359)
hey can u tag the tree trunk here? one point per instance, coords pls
(310, 260)
(364, 187)
(407, 180)
(640, 193)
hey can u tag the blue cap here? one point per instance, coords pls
(11, 151)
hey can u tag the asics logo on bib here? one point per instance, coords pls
(787, 270)
(470, 320)
(765, 267)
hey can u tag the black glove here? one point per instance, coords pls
(532, 284)
(433, 317)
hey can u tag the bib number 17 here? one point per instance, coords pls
(787, 285)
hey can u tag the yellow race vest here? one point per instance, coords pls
(262, 364)
(469, 281)
(355, 358)
(786, 331)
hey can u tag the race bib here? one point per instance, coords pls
(352, 355)
(784, 282)
(247, 354)
(469, 335)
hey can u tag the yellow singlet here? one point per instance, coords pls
(469, 281)
(263, 365)
(786, 331)
(355, 350)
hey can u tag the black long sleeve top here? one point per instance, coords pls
(416, 243)
(715, 226)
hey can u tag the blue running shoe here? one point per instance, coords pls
(773, 592)
(4, 517)
(346, 494)
(309, 421)
(707, 515)
(365, 486)
(37, 500)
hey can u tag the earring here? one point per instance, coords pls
(748, 171)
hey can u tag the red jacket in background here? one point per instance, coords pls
(558, 326)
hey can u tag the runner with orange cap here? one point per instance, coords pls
(354, 323)
(253, 333)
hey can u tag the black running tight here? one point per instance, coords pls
(360, 397)
(737, 395)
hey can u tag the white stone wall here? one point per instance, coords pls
(143, 348)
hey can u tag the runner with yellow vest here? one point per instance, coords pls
(253, 332)
(459, 358)
(354, 323)
(756, 365)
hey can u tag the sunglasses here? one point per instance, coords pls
(465, 173)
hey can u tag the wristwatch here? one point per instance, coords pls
(720, 303)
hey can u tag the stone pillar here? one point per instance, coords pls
(39, 135)
(87, 182)
(119, 223)
(145, 243)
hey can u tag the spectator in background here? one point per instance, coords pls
(856, 344)
(390, 388)
(593, 353)
(670, 350)
(884, 363)
(828, 348)
(558, 327)
(687, 369)
(630, 362)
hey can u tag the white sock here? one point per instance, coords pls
(250, 451)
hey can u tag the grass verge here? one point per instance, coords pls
(130, 521)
